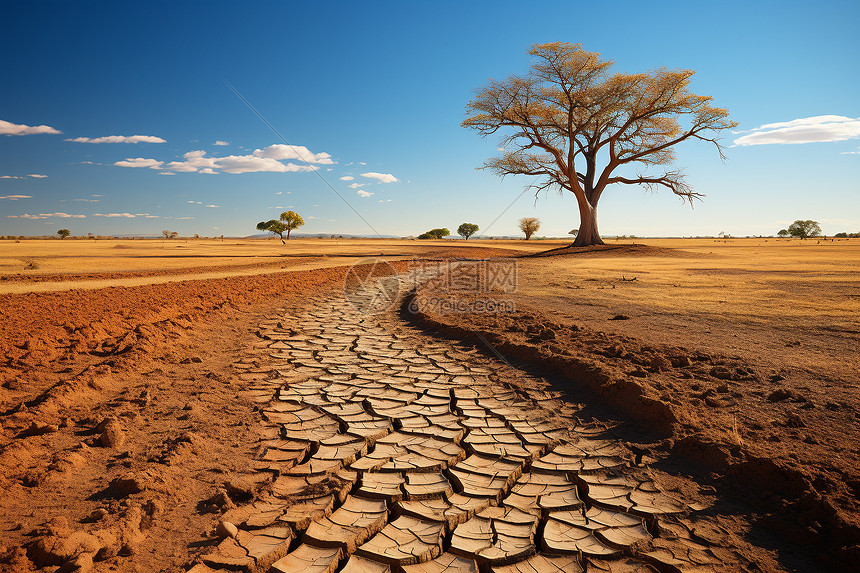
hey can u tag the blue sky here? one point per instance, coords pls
(376, 91)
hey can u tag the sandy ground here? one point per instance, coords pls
(739, 357)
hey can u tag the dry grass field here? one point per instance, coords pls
(739, 356)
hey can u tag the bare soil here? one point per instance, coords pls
(121, 415)
(741, 365)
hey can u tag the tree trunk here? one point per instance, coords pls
(288, 234)
(588, 234)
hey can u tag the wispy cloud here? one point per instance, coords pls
(213, 206)
(16, 197)
(363, 193)
(115, 215)
(88, 200)
(381, 177)
(347, 178)
(198, 162)
(280, 151)
(47, 215)
(357, 185)
(817, 129)
(35, 175)
(8, 128)
(851, 152)
(119, 139)
(140, 162)
(219, 142)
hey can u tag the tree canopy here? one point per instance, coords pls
(466, 230)
(435, 233)
(803, 229)
(529, 226)
(577, 127)
(63, 233)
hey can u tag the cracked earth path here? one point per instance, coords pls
(387, 450)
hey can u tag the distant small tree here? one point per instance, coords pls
(783, 233)
(63, 233)
(174, 234)
(573, 232)
(435, 233)
(529, 226)
(466, 230)
(273, 226)
(840, 236)
(804, 229)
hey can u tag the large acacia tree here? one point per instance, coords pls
(578, 127)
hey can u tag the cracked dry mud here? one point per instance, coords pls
(385, 450)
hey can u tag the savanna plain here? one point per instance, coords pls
(145, 419)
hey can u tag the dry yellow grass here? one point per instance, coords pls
(41, 257)
(756, 281)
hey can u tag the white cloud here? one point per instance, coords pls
(280, 151)
(88, 200)
(219, 142)
(820, 128)
(46, 215)
(363, 193)
(140, 162)
(119, 139)
(36, 175)
(114, 215)
(196, 202)
(362, 163)
(7, 128)
(356, 185)
(16, 197)
(381, 177)
(851, 152)
(183, 218)
(347, 178)
(214, 206)
(10, 177)
(198, 162)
